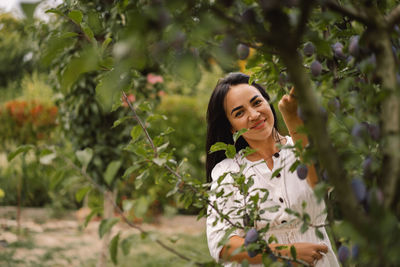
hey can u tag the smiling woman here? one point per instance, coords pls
(235, 105)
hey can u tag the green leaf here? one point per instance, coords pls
(19, 150)
(230, 151)
(29, 9)
(90, 216)
(130, 170)
(106, 225)
(136, 132)
(276, 172)
(159, 161)
(84, 156)
(126, 244)
(218, 146)
(318, 233)
(86, 61)
(82, 193)
(114, 249)
(111, 171)
(54, 11)
(47, 159)
(127, 204)
(76, 16)
(293, 252)
(88, 31)
(105, 44)
(118, 122)
(225, 238)
(239, 133)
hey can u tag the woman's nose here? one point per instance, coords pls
(254, 114)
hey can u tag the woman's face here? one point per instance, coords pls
(245, 107)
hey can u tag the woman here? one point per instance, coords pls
(235, 105)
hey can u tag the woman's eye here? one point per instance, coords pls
(257, 102)
(238, 113)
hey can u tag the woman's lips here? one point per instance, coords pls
(258, 125)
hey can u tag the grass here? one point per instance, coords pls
(143, 252)
(146, 253)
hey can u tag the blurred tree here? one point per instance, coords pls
(16, 50)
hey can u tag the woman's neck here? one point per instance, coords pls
(264, 149)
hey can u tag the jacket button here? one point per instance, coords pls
(278, 175)
(281, 200)
(276, 155)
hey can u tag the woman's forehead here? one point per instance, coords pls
(241, 93)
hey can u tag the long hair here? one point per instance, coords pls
(218, 126)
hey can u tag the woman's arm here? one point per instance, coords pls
(288, 107)
(308, 252)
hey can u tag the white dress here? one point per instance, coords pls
(285, 191)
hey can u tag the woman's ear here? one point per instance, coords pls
(233, 130)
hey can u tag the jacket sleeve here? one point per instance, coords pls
(216, 226)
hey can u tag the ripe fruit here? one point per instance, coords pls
(367, 165)
(374, 131)
(359, 130)
(251, 236)
(354, 48)
(359, 189)
(338, 51)
(355, 251)
(309, 49)
(316, 68)
(243, 51)
(343, 253)
(302, 171)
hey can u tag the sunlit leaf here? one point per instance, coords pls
(84, 156)
(76, 16)
(19, 150)
(111, 171)
(114, 248)
(82, 193)
(106, 225)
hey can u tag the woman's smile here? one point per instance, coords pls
(258, 125)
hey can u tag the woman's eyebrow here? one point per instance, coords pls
(254, 98)
(239, 107)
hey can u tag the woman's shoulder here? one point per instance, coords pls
(224, 166)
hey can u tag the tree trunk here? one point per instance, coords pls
(108, 213)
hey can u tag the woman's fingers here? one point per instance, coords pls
(322, 248)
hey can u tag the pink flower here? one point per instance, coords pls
(153, 79)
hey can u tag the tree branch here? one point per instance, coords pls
(393, 17)
(305, 6)
(347, 11)
(141, 124)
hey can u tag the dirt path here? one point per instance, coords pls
(64, 242)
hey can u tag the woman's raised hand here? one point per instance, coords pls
(288, 105)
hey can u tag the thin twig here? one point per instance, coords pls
(141, 124)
